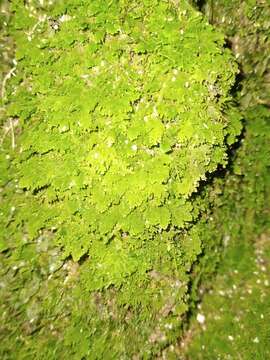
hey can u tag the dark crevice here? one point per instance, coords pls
(199, 4)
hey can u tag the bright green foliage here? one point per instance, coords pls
(121, 116)
(118, 110)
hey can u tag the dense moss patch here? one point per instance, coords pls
(117, 113)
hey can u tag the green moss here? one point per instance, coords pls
(117, 112)
(143, 120)
(237, 309)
